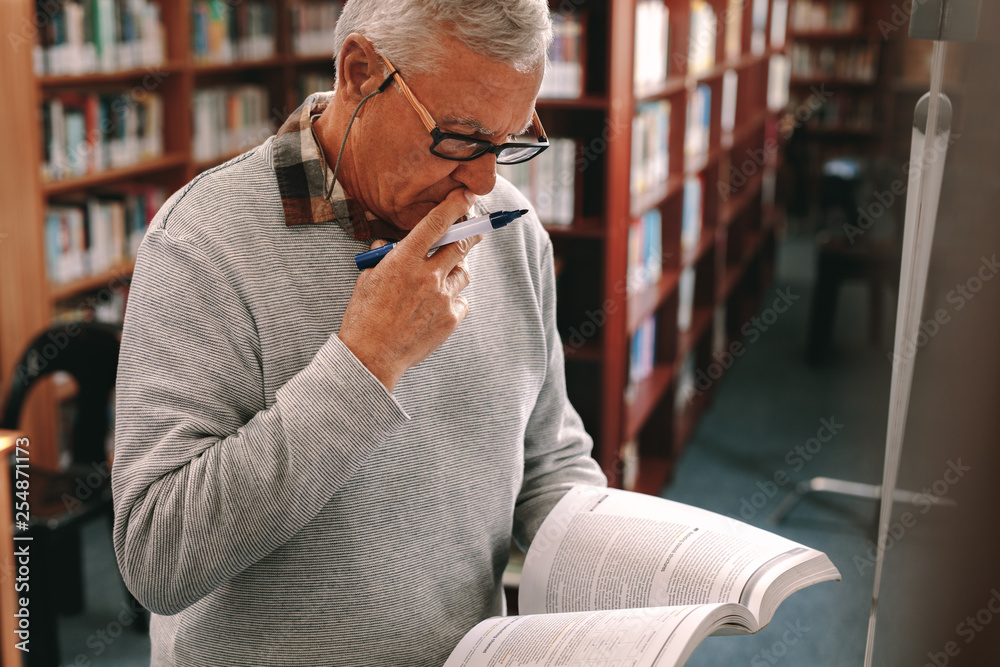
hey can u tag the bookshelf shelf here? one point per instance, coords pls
(647, 395)
(833, 35)
(645, 302)
(705, 243)
(672, 86)
(743, 132)
(731, 208)
(172, 160)
(700, 321)
(589, 352)
(239, 65)
(806, 81)
(120, 76)
(583, 228)
(68, 290)
(657, 196)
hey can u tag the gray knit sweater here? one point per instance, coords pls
(274, 504)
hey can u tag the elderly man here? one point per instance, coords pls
(315, 466)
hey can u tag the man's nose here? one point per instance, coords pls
(479, 175)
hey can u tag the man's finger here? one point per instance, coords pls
(434, 225)
(448, 256)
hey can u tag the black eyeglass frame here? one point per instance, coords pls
(438, 136)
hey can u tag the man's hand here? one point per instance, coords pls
(407, 306)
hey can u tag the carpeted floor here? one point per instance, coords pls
(766, 406)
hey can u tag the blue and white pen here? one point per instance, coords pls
(458, 231)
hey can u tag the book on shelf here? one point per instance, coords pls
(564, 73)
(87, 235)
(733, 19)
(229, 120)
(704, 28)
(652, 31)
(691, 216)
(226, 32)
(621, 578)
(758, 38)
(825, 15)
(650, 160)
(855, 62)
(645, 252)
(730, 86)
(642, 350)
(697, 134)
(86, 36)
(778, 75)
(685, 298)
(86, 133)
(779, 23)
(548, 181)
(686, 388)
(312, 24)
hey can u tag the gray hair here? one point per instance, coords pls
(407, 32)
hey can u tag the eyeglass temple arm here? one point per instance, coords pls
(538, 126)
(425, 117)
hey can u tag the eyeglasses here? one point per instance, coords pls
(462, 148)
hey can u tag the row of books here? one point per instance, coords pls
(642, 351)
(223, 31)
(548, 181)
(90, 235)
(779, 74)
(92, 132)
(823, 15)
(564, 73)
(313, 25)
(698, 133)
(229, 120)
(652, 30)
(650, 163)
(645, 252)
(84, 36)
(853, 63)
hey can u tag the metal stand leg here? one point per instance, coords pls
(853, 489)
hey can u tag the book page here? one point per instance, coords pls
(612, 549)
(620, 638)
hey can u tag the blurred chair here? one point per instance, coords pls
(864, 247)
(62, 500)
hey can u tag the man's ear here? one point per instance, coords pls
(359, 69)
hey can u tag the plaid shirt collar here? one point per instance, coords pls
(302, 175)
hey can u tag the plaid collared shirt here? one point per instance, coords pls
(303, 177)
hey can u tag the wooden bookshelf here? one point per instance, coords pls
(645, 412)
(593, 247)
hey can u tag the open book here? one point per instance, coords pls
(625, 579)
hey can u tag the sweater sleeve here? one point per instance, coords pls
(208, 480)
(557, 448)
